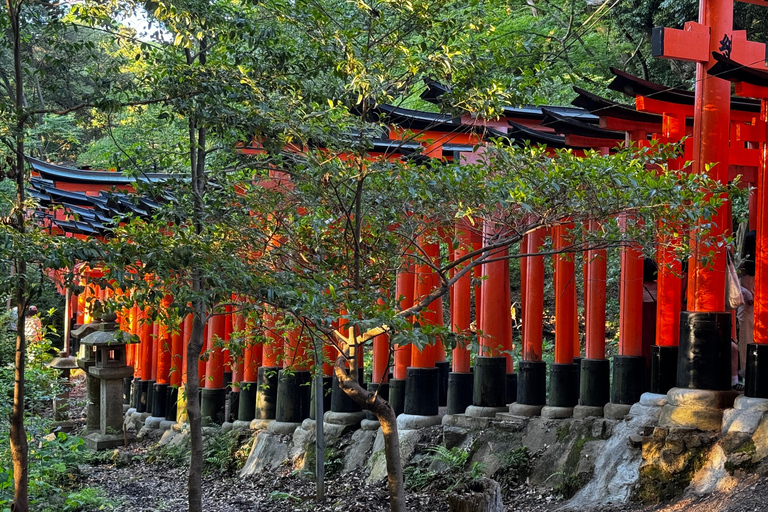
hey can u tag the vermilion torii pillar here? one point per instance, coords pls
(704, 353)
(404, 290)
(460, 380)
(532, 371)
(754, 84)
(494, 362)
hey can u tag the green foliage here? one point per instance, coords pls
(283, 496)
(517, 462)
(451, 469)
(85, 500)
(224, 453)
(53, 474)
(454, 459)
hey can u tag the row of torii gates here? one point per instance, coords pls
(692, 348)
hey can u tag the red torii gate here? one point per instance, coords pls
(705, 328)
(754, 83)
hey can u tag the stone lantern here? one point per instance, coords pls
(103, 356)
(65, 365)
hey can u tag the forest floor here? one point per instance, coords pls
(135, 480)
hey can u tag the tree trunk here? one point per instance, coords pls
(197, 136)
(195, 479)
(18, 435)
(482, 495)
(386, 415)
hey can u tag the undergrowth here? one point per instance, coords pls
(453, 473)
(224, 453)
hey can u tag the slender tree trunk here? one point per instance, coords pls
(195, 346)
(386, 415)
(319, 433)
(197, 140)
(18, 435)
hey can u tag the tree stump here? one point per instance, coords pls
(481, 495)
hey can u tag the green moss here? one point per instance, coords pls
(656, 485)
(563, 431)
(748, 447)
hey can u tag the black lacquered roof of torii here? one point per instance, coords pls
(51, 171)
(733, 71)
(634, 86)
(90, 214)
(569, 125)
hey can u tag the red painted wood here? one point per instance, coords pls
(163, 345)
(145, 337)
(432, 314)
(534, 311)
(595, 299)
(630, 300)
(214, 368)
(706, 280)
(253, 354)
(404, 291)
(461, 302)
(272, 351)
(380, 367)
(565, 295)
(496, 316)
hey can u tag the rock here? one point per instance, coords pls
(713, 476)
(268, 452)
(453, 436)
(357, 452)
(635, 441)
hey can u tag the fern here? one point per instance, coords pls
(455, 459)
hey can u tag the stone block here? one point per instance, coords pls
(344, 418)
(555, 413)
(260, 424)
(616, 411)
(524, 410)
(750, 403)
(166, 424)
(370, 425)
(467, 422)
(241, 425)
(227, 426)
(415, 422)
(653, 399)
(639, 409)
(691, 417)
(701, 398)
(484, 412)
(587, 411)
(98, 441)
(153, 422)
(509, 421)
(282, 427)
